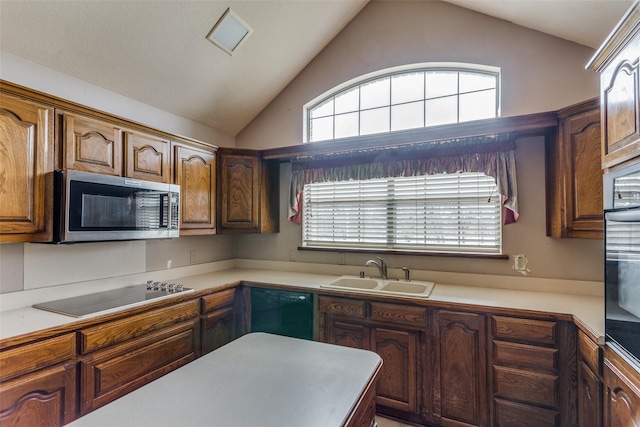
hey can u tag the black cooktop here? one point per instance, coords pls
(106, 301)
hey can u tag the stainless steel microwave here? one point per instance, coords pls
(90, 207)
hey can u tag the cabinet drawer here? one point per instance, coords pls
(527, 330)
(399, 314)
(525, 356)
(114, 372)
(511, 414)
(119, 331)
(32, 357)
(590, 352)
(526, 386)
(343, 306)
(218, 300)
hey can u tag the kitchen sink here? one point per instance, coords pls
(382, 286)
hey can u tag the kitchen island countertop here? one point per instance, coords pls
(257, 380)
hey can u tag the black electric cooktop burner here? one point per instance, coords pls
(84, 305)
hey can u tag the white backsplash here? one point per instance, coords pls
(51, 265)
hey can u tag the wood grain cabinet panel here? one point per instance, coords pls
(195, 172)
(147, 157)
(248, 192)
(113, 372)
(220, 320)
(618, 61)
(621, 391)
(29, 358)
(118, 331)
(26, 157)
(343, 306)
(91, 145)
(460, 386)
(574, 174)
(348, 334)
(397, 385)
(513, 414)
(44, 398)
(526, 330)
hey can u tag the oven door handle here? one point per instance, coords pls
(623, 216)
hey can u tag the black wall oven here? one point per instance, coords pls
(622, 261)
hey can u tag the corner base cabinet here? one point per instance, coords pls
(622, 392)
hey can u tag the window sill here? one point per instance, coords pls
(405, 252)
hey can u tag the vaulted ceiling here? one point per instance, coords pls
(155, 51)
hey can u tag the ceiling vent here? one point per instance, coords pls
(229, 32)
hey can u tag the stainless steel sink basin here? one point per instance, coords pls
(382, 286)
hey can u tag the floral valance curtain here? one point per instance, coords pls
(494, 155)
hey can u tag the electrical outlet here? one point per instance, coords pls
(193, 257)
(341, 258)
(292, 255)
(520, 262)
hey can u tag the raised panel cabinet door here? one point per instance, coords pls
(240, 192)
(45, 398)
(582, 175)
(91, 145)
(622, 395)
(147, 157)
(218, 329)
(589, 397)
(460, 387)
(397, 385)
(195, 172)
(26, 157)
(347, 334)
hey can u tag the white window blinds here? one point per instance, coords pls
(438, 213)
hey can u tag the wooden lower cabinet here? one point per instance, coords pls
(621, 392)
(44, 398)
(397, 340)
(533, 372)
(38, 383)
(220, 324)
(460, 369)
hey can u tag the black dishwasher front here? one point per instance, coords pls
(280, 312)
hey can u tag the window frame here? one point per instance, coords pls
(392, 244)
(390, 73)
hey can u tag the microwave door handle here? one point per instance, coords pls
(623, 216)
(163, 219)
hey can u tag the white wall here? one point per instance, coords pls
(539, 72)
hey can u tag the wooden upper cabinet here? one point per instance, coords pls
(195, 172)
(147, 157)
(248, 192)
(574, 183)
(91, 145)
(26, 157)
(617, 61)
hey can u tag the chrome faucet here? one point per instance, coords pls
(382, 266)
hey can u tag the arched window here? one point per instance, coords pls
(402, 98)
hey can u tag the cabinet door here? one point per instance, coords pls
(347, 334)
(147, 157)
(118, 370)
(195, 172)
(218, 329)
(26, 156)
(622, 395)
(620, 100)
(589, 397)
(397, 385)
(460, 385)
(45, 398)
(239, 192)
(577, 176)
(91, 145)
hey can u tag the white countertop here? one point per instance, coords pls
(589, 310)
(288, 382)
